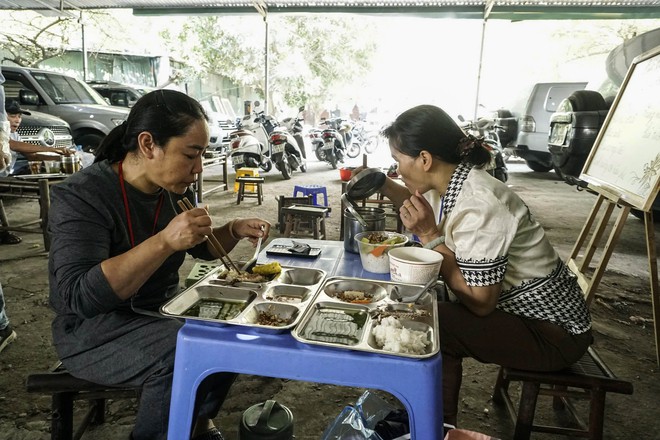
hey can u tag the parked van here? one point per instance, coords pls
(534, 122)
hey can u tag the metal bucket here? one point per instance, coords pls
(374, 219)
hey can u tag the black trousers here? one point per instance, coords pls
(503, 339)
(137, 350)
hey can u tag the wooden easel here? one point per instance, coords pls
(606, 203)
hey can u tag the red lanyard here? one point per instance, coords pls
(128, 211)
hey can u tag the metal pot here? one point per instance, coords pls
(374, 220)
(360, 219)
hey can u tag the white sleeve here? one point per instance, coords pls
(480, 232)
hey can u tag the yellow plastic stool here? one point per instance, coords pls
(247, 172)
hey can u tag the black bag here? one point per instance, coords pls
(394, 425)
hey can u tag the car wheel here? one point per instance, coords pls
(538, 167)
(89, 141)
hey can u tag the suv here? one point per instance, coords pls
(573, 131)
(116, 93)
(45, 130)
(533, 125)
(88, 114)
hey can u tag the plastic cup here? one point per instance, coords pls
(52, 166)
(35, 166)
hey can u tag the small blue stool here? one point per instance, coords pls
(314, 191)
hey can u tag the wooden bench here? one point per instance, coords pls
(64, 389)
(589, 379)
(296, 216)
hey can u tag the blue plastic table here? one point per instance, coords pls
(205, 348)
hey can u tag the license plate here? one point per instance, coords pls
(278, 148)
(558, 135)
(328, 145)
(237, 159)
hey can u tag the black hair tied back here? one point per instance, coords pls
(163, 113)
(473, 149)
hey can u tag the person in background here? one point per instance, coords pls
(5, 152)
(6, 237)
(22, 152)
(7, 333)
(118, 241)
(17, 163)
(518, 305)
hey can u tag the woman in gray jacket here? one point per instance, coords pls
(118, 241)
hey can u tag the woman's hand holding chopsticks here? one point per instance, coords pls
(188, 230)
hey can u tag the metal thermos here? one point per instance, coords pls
(266, 421)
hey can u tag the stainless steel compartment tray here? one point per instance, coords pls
(282, 300)
(333, 322)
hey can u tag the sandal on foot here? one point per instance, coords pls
(213, 434)
(9, 238)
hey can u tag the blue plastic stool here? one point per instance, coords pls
(314, 191)
(203, 349)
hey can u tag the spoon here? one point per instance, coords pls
(413, 299)
(256, 254)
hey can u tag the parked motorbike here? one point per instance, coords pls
(286, 153)
(295, 127)
(368, 140)
(316, 141)
(338, 142)
(352, 142)
(249, 146)
(333, 148)
(485, 128)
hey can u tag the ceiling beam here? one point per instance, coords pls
(511, 13)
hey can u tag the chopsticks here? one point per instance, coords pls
(185, 205)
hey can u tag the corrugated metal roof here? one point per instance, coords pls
(496, 9)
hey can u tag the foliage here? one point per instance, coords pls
(28, 38)
(308, 55)
(39, 38)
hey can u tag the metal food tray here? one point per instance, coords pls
(331, 322)
(240, 303)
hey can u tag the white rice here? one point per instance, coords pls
(391, 335)
(372, 263)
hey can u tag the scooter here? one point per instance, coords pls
(316, 142)
(333, 148)
(284, 145)
(352, 142)
(249, 146)
(295, 127)
(484, 127)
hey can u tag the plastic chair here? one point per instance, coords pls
(203, 349)
(314, 191)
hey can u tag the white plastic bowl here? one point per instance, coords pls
(374, 257)
(414, 264)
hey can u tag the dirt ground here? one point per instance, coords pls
(622, 321)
